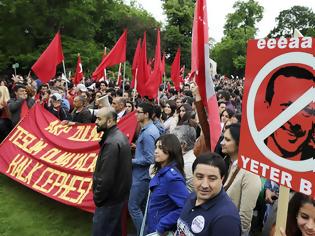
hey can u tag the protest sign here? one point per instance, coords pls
(277, 131)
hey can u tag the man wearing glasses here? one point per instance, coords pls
(144, 157)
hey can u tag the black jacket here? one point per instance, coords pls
(112, 176)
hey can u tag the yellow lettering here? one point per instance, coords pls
(56, 128)
(48, 156)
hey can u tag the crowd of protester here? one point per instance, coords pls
(171, 155)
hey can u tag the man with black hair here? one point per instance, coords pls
(209, 211)
(156, 119)
(19, 105)
(295, 138)
(112, 175)
(144, 157)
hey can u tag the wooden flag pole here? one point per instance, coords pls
(105, 72)
(119, 69)
(124, 77)
(64, 71)
(135, 87)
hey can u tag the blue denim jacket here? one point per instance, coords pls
(144, 155)
(168, 196)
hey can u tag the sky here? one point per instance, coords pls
(218, 12)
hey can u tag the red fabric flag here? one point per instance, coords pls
(135, 63)
(79, 71)
(152, 85)
(45, 66)
(175, 70)
(143, 72)
(200, 64)
(115, 56)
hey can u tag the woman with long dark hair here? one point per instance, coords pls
(242, 186)
(301, 216)
(169, 117)
(168, 186)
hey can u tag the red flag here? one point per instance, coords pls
(152, 85)
(175, 70)
(200, 65)
(45, 66)
(135, 63)
(79, 71)
(115, 56)
(143, 72)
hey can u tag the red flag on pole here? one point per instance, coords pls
(152, 85)
(175, 70)
(200, 65)
(79, 71)
(115, 56)
(135, 63)
(45, 66)
(143, 72)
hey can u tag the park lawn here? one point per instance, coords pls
(28, 213)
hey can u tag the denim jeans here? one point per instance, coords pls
(137, 199)
(106, 220)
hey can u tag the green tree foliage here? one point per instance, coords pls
(230, 53)
(297, 17)
(86, 26)
(178, 31)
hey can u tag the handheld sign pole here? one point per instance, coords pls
(282, 213)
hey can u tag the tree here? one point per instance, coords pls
(178, 31)
(297, 17)
(230, 53)
(27, 27)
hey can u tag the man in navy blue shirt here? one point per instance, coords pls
(209, 211)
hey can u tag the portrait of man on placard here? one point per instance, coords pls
(294, 140)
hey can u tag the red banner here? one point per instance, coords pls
(53, 159)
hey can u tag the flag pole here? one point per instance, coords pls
(164, 82)
(105, 72)
(64, 71)
(119, 69)
(124, 77)
(135, 88)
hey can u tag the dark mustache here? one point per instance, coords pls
(295, 130)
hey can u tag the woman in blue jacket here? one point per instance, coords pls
(168, 186)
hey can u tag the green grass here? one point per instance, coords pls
(28, 213)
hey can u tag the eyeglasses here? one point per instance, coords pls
(139, 111)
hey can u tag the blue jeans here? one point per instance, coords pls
(106, 220)
(137, 199)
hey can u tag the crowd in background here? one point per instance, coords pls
(173, 132)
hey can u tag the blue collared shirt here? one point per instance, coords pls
(144, 155)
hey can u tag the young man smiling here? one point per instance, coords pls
(209, 211)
